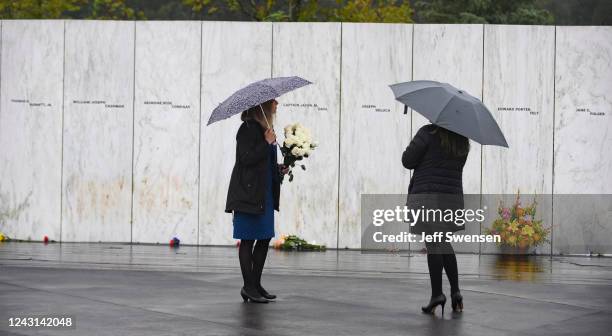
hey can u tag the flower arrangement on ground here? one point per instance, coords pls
(295, 243)
(517, 225)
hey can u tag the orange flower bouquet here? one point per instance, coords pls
(518, 227)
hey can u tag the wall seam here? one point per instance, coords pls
(133, 135)
(339, 145)
(552, 204)
(482, 85)
(272, 56)
(200, 135)
(411, 111)
(272, 50)
(62, 127)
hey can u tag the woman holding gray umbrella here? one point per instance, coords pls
(437, 154)
(254, 188)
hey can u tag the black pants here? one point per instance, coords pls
(441, 255)
(252, 259)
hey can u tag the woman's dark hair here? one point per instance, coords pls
(451, 142)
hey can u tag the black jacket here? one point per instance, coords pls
(434, 170)
(247, 188)
(437, 174)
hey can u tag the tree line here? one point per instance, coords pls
(541, 12)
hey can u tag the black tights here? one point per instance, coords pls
(441, 255)
(252, 260)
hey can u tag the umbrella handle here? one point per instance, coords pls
(264, 114)
(265, 117)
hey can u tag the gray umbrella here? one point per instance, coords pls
(456, 110)
(255, 94)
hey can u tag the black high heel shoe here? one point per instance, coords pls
(457, 302)
(433, 303)
(246, 296)
(265, 294)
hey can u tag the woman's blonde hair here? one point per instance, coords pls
(255, 113)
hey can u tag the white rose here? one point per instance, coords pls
(291, 140)
(299, 136)
(296, 151)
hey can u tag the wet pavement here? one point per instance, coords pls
(116, 289)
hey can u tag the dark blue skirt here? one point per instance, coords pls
(261, 226)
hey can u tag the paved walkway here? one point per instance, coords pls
(114, 289)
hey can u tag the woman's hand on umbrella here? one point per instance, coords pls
(270, 136)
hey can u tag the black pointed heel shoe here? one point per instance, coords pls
(457, 302)
(265, 294)
(433, 303)
(246, 296)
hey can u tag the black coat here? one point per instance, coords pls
(434, 170)
(436, 182)
(247, 188)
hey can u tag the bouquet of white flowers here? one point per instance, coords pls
(298, 144)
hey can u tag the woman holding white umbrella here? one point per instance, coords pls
(253, 195)
(254, 189)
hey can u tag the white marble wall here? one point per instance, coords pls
(518, 90)
(166, 131)
(234, 54)
(452, 53)
(309, 204)
(97, 160)
(83, 190)
(582, 224)
(30, 127)
(583, 129)
(583, 163)
(374, 131)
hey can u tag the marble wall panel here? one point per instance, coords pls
(166, 131)
(583, 131)
(518, 89)
(374, 131)
(97, 63)
(31, 128)
(582, 224)
(98, 131)
(234, 54)
(452, 53)
(309, 204)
